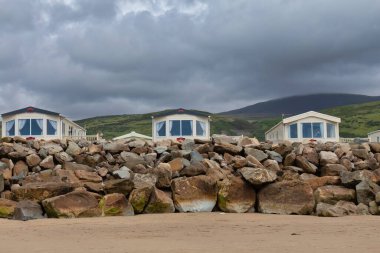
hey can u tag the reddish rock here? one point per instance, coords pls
(20, 169)
(331, 194)
(41, 191)
(159, 202)
(88, 176)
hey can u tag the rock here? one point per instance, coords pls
(75, 204)
(366, 192)
(2, 185)
(63, 157)
(271, 165)
(76, 166)
(115, 204)
(224, 139)
(33, 160)
(47, 163)
(139, 198)
(21, 169)
(290, 159)
(195, 169)
(341, 208)
(142, 180)
(68, 176)
(328, 157)
(195, 156)
(304, 164)
(274, 156)
(377, 198)
(317, 182)
(311, 155)
(235, 195)
(258, 154)
(351, 179)
(286, 197)
(115, 147)
(373, 208)
(254, 162)
(7, 208)
(227, 148)
(132, 159)
(41, 190)
(258, 176)
(331, 194)
(94, 148)
(124, 186)
(164, 175)
(332, 170)
(160, 149)
(360, 153)
(88, 176)
(375, 147)
(194, 194)
(28, 210)
(52, 148)
(159, 202)
(188, 144)
(123, 172)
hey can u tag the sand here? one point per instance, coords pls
(201, 232)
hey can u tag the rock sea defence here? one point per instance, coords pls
(72, 179)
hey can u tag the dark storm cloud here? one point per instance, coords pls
(96, 57)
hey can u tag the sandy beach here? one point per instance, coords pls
(201, 232)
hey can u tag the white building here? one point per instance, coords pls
(35, 123)
(374, 136)
(181, 124)
(132, 134)
(305, 127)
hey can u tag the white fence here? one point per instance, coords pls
(87, 137)
(353, 140)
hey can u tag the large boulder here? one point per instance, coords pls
(7, 208)
(256, 153)
(28, 210)
(164, 175)
(73, 149)
(75, 204)
(76, 166)
(341, 208)
(124, 186)
(332, 169)
(235, 195)
(123, 172)
(52, 148)
(115, 204)
(41, 190)
(178, 164)
(227, 148)
(194, 169)
(351, 179)
(360, 153)
(316, 182)
(258, 176)
(132, 159)
(311, 155)
(33, 160)
(63, 157)
(331, 194)
(366, 192)
(194, 194)
(286, 197)
(20, 169)
(159, 202)
(328, 157)
(305, 165)
(47, 163)
(375, 147)
(88, 176)
(139, 198)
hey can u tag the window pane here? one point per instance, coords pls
(293, 131)
(161, 128)
(63, 129)
(317, 130)
(51, 127)
(330, 130)
(24, 126)
(37, 126)
(175, 127)
(201, 128)
(10, 128)
(306, 130)
(187, 127)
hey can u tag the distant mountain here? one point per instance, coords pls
(299, 104)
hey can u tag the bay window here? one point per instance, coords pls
(161, 128)
(201, 128)
(30, 127)
(51, 127)
(293, 131)
(181, 127)
(312, 130)
(330, 130)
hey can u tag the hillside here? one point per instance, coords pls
(357, 121)
(298, 104)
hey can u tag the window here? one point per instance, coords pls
(330, 130)
(63, 129)
(10, 128)
(51, 127)
(30, 126)
(37, 126)
(201, 128)
(312, 130)
(181, 127)
(161, 128)
(293, 131)
(378, 139)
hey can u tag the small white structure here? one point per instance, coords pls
(132, 134)
(305, 127)
(374, 136)
(35, 123)
(181, 124)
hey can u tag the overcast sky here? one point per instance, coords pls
(97, 57)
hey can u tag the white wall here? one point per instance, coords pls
(44, 117)
(374, 137)
(180, 117)
(276, 134)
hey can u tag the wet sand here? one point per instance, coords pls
(201, 232)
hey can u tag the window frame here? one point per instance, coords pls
(328, 132)
(180, 127)
(47, 129)
(290, 131)
(14, 127)
(158, 130)
(204, 130)
(312, 130)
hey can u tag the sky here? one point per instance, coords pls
(87, 58)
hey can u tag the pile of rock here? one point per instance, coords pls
(59, 179)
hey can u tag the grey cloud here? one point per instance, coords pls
(93, 57)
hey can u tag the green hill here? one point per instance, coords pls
(357, 121)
